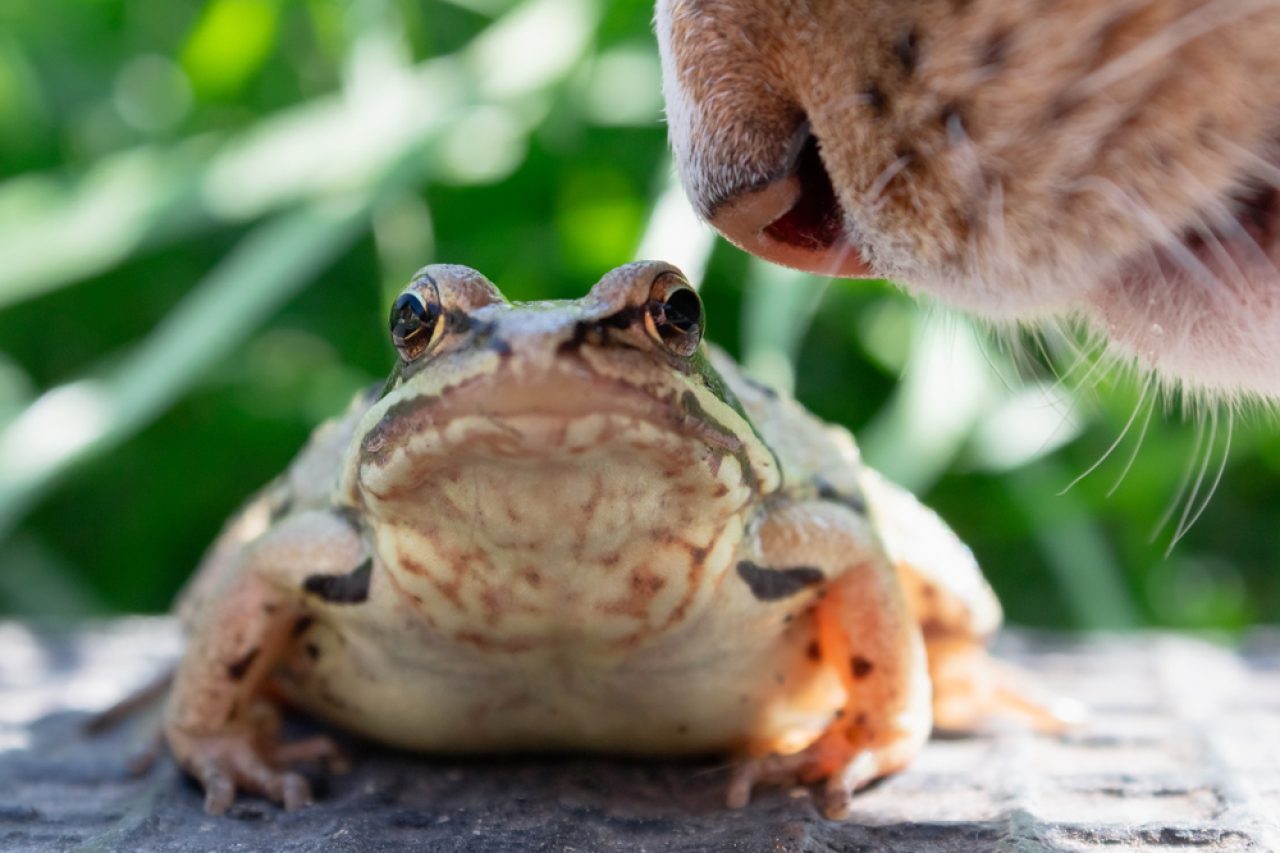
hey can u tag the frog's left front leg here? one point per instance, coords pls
(219, 727)
(866, 633)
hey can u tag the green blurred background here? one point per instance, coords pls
(205, 209)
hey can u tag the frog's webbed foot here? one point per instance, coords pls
(240, 760)
(253, 757)
(228, 763)
(846, 767)
(971, 688)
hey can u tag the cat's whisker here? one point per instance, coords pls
(1037, 336)
(1088, 353)
(1266, 169)
(874, 195)
(847, 250)
(1195, 24)
(1225, 221)
(1003, 343)
(1183, 483)
(1193, 509)
(1200, 475)
(1158, 231)
(1146, 389)
(1098, 369)
(1142, 437)
(1208, 234)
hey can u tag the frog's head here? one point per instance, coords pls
(566, 429)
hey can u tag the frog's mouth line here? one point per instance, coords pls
(525, 416)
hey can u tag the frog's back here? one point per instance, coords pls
(814, 456)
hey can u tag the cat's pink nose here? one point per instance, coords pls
(795, 221)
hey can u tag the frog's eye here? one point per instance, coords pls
(673, 315)
(415, 322)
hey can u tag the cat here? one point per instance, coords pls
(1116, 161)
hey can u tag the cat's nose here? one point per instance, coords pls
(794, 220)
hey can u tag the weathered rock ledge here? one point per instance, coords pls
(1182, 752)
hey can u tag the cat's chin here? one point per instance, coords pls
(1204, 310)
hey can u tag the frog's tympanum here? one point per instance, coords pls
(575, 526)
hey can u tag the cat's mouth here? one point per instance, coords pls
(793, 219)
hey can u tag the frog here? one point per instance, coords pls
(576, 525)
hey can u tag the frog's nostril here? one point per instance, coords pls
(794, 220)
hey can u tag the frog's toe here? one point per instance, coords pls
(863, 769)
(846, 768)
(227, 764)
(816, 761)
(214, 774)
(765, 770)
(295, 791)
(321, 749)
(282, 786)
(972, 690)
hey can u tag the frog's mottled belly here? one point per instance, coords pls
(717, 683)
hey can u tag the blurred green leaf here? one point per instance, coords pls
(948, 385)
(1031, 422)
(39, 584)
(70, 423)
(778, 305)
(229, 45)
(140, 198)
(1075, 549)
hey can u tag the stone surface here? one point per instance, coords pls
(1181, 753)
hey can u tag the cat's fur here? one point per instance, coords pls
(1116, 160)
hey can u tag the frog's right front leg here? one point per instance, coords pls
(867, 635)
(219, 727)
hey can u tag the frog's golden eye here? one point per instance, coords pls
(673, 315)
(416, 322)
